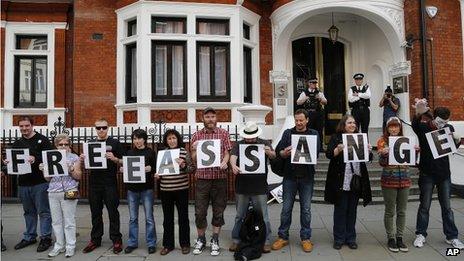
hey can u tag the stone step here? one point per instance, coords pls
(375, 200)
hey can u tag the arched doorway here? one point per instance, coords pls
(321, 58)
(371, 35)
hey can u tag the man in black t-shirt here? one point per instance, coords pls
(32, 188)
(250, 187)
(103, 189)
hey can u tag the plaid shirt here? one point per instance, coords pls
(217, 134)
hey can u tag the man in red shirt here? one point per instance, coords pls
(211, 183)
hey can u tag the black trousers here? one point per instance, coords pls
(316, 122)
(179, 199)
(362, 115)
(109, 196)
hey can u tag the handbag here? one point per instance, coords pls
(355, 184)
(71, 194)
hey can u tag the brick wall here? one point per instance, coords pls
(94, 62)
(446, 31)
(265, 59)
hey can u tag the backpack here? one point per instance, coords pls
(252, 236)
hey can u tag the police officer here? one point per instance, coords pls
(312, 100)
(359, 101)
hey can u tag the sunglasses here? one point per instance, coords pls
(63, 144)
(101, 127)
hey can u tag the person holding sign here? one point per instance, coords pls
(103, 190)
(434, 172)
(395, 182)
(62, 195)
(251, 180)
(32, 187)
(211, 182)
(174, 192)
(359, 100)
(141, 193)
(345, 184)
(298, 177)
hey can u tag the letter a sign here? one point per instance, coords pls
(304, 149)
(208, 154)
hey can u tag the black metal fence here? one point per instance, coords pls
(80, 135)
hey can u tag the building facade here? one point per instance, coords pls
(139, 62)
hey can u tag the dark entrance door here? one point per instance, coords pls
(319, 57)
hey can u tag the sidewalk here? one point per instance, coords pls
(370, 231)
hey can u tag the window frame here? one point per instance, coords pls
(246, 31)
(168, 97)
(212, 20)
(33, 87)
(212, 97)
(155, 18)
(128, 73)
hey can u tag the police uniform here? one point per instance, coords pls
(360, 104)
(310, 100)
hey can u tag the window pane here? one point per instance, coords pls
(40, 80)
(132, 28)
(247, 73)
(246, 31)
(26, 42)
(177, 70)
(204, 70)
(134, 73)
(25, 81)
(161, 70)
(220, 70)
(219, 27)
(168, 26)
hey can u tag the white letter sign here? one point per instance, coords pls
(304, 149)
(166, 163)
(54, 162)
(95, 155)
(133, 169)
(401, 150)
(18, 161)
(252, 159)
(208, 154)
(441, 142)
(355, 147)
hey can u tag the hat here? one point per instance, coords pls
(393, 120)
(209, 109)
(358, 76)
(250, 130)
(312, 80)
(388, 90)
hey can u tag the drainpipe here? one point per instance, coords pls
(425, 76)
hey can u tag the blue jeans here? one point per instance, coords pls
(304, 187)
(35, 202)
(259, 202)
(134, 199)
(344, 223)
(426, 184)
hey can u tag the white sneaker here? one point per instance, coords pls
(69, 252)
(455, 243)
(420, 240)
(198, 247)
(55, 252)
(215, 247)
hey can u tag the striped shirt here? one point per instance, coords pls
(218, 133)
(181, 181)
(64, 183)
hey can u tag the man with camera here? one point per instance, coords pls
(390, 105)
